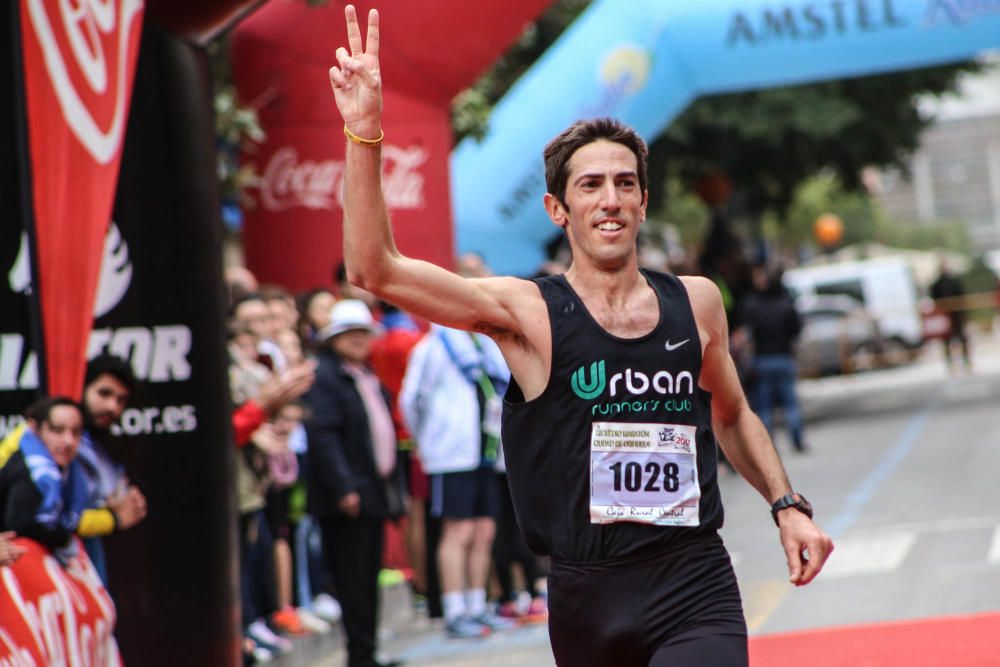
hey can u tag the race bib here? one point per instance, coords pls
(645, 473)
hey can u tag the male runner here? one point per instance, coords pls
(620, 378)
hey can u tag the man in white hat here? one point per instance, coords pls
(351, 475)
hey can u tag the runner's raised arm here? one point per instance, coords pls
(370, 254)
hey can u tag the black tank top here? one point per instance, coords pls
(599, 378)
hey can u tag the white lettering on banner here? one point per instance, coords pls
(112, 283)
(154, 421)
(288, 182)
(85, 24)
(17, 656)
(157, 354)
(959, 12)
(53, 620)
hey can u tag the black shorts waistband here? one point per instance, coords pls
(676, 547)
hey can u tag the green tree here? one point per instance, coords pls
(864, 220)
(770, 141)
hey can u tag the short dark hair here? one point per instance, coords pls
(41, 410)
(113, 365)
(270, 293)
(246, 298)
(559, 151)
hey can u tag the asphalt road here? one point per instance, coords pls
(902, 471)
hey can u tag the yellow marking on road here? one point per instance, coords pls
(761, 600)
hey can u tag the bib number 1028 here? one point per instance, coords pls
(632, 476)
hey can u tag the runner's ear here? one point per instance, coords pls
(555, 209)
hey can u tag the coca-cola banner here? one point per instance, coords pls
(298, 196)
(53, 614)
(292, 232)
(78, 61)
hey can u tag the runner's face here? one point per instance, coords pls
(605, 204)
(61, 433)
(105, 399)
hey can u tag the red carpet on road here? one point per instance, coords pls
(953, 641)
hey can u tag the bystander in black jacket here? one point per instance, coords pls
(772, 320)
(340, 457)
(340, 461)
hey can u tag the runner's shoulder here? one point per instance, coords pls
(706, 303)
(702, 292)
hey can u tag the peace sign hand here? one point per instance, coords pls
(356, 79)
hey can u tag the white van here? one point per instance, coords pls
(884, 285)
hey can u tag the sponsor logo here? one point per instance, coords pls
(289, 181)
(112, 282)
(671, 347)
(627, 68)
(588, 389)
(671, 436)
(98, 34)
(632, 381)
(809, 21)
(959, 12)
(56, 615)
(158, 353)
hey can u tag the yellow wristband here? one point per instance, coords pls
(361, 140)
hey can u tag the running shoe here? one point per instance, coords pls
(464, 627)
(509, 610)
(388, 578)
(261, 655)
(313, 622)
(326, 607)
(493, 622)
(287, 621)
(264, 637)
(538, 611)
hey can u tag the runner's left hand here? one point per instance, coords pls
(806, 546)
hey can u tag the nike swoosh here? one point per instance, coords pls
(675, 345)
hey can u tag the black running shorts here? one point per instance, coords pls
(677, 607)
(470, 494)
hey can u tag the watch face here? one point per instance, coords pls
(804, 504)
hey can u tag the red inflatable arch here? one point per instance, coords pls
(281, 55)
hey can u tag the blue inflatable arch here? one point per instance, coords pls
(644, 61)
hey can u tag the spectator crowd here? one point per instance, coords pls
(367, 446)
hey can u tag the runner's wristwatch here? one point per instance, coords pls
(796, 500)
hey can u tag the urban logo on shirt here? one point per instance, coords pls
(588, 389)
(590, 383)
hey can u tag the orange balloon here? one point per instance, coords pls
(828, 229)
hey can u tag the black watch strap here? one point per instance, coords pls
(795, 500)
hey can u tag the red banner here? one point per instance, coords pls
(79, 58)
(55, 615)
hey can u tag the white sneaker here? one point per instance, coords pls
(326, 607)
(262, 655)
(265, 637)
(312, 622)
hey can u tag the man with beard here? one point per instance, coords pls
(108, 385)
